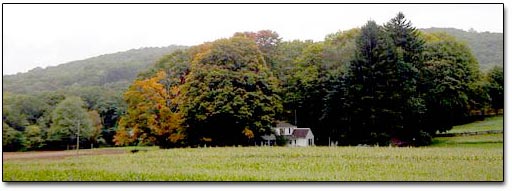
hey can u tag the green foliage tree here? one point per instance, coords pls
(12, 139)
(175, 65)
(52, 99)
(450, 78)
(68, 119)
(97, 127)
(268, 42)
(406, 40)
(22, 110)
(487, 47)
(408, 59)
(305, 90)
(107, 102)
(339, 51)
(110, 108)
(230, 95)
(35, 137)
(367, 91)
(381, 83)
(495, 87)
(287, 53)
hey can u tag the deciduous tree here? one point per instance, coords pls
(12, 140)
(230, 95)
(449, 82)
(152, 117)
(495, 87)
(70, 119)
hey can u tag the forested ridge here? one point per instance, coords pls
(376, 85)
(486, 46)
(116, 70)
(119, 69)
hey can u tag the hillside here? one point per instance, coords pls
(115, 70)
(486, 46)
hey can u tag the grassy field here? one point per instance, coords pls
(468, 158)
(476, 141)
(491, 123)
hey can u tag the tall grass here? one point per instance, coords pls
(270, 164)
(464, 158)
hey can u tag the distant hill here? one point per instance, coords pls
(486, 46)
(114, 71)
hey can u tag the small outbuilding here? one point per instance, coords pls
(302, 137)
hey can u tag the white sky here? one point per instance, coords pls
(44, 35)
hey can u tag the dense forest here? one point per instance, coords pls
(370, 85)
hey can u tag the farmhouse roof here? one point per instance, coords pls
(300, 132)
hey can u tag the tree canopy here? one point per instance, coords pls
(378, 84)
(230, 96)
(70, 121)
(152, 117)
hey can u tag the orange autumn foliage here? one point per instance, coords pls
(151, 117)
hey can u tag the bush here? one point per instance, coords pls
(12, 140)
(281, 140)
(422, 139)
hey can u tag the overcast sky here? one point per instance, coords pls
(48, 35)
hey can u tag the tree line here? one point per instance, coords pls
(49, 120)
(377, 85)
(486, 46)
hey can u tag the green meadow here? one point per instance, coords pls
(462, 158)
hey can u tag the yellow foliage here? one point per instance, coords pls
(149, 116)
(248, 133)
(206, 139)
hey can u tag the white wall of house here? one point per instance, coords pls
(288, 131)
(301, 142)
(304, 142)
(284, 130)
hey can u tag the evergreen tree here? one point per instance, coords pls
(407, 48)
(382, 96)
(361, 84)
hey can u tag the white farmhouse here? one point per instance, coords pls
(301, 137)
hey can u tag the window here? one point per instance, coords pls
(310, 141)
